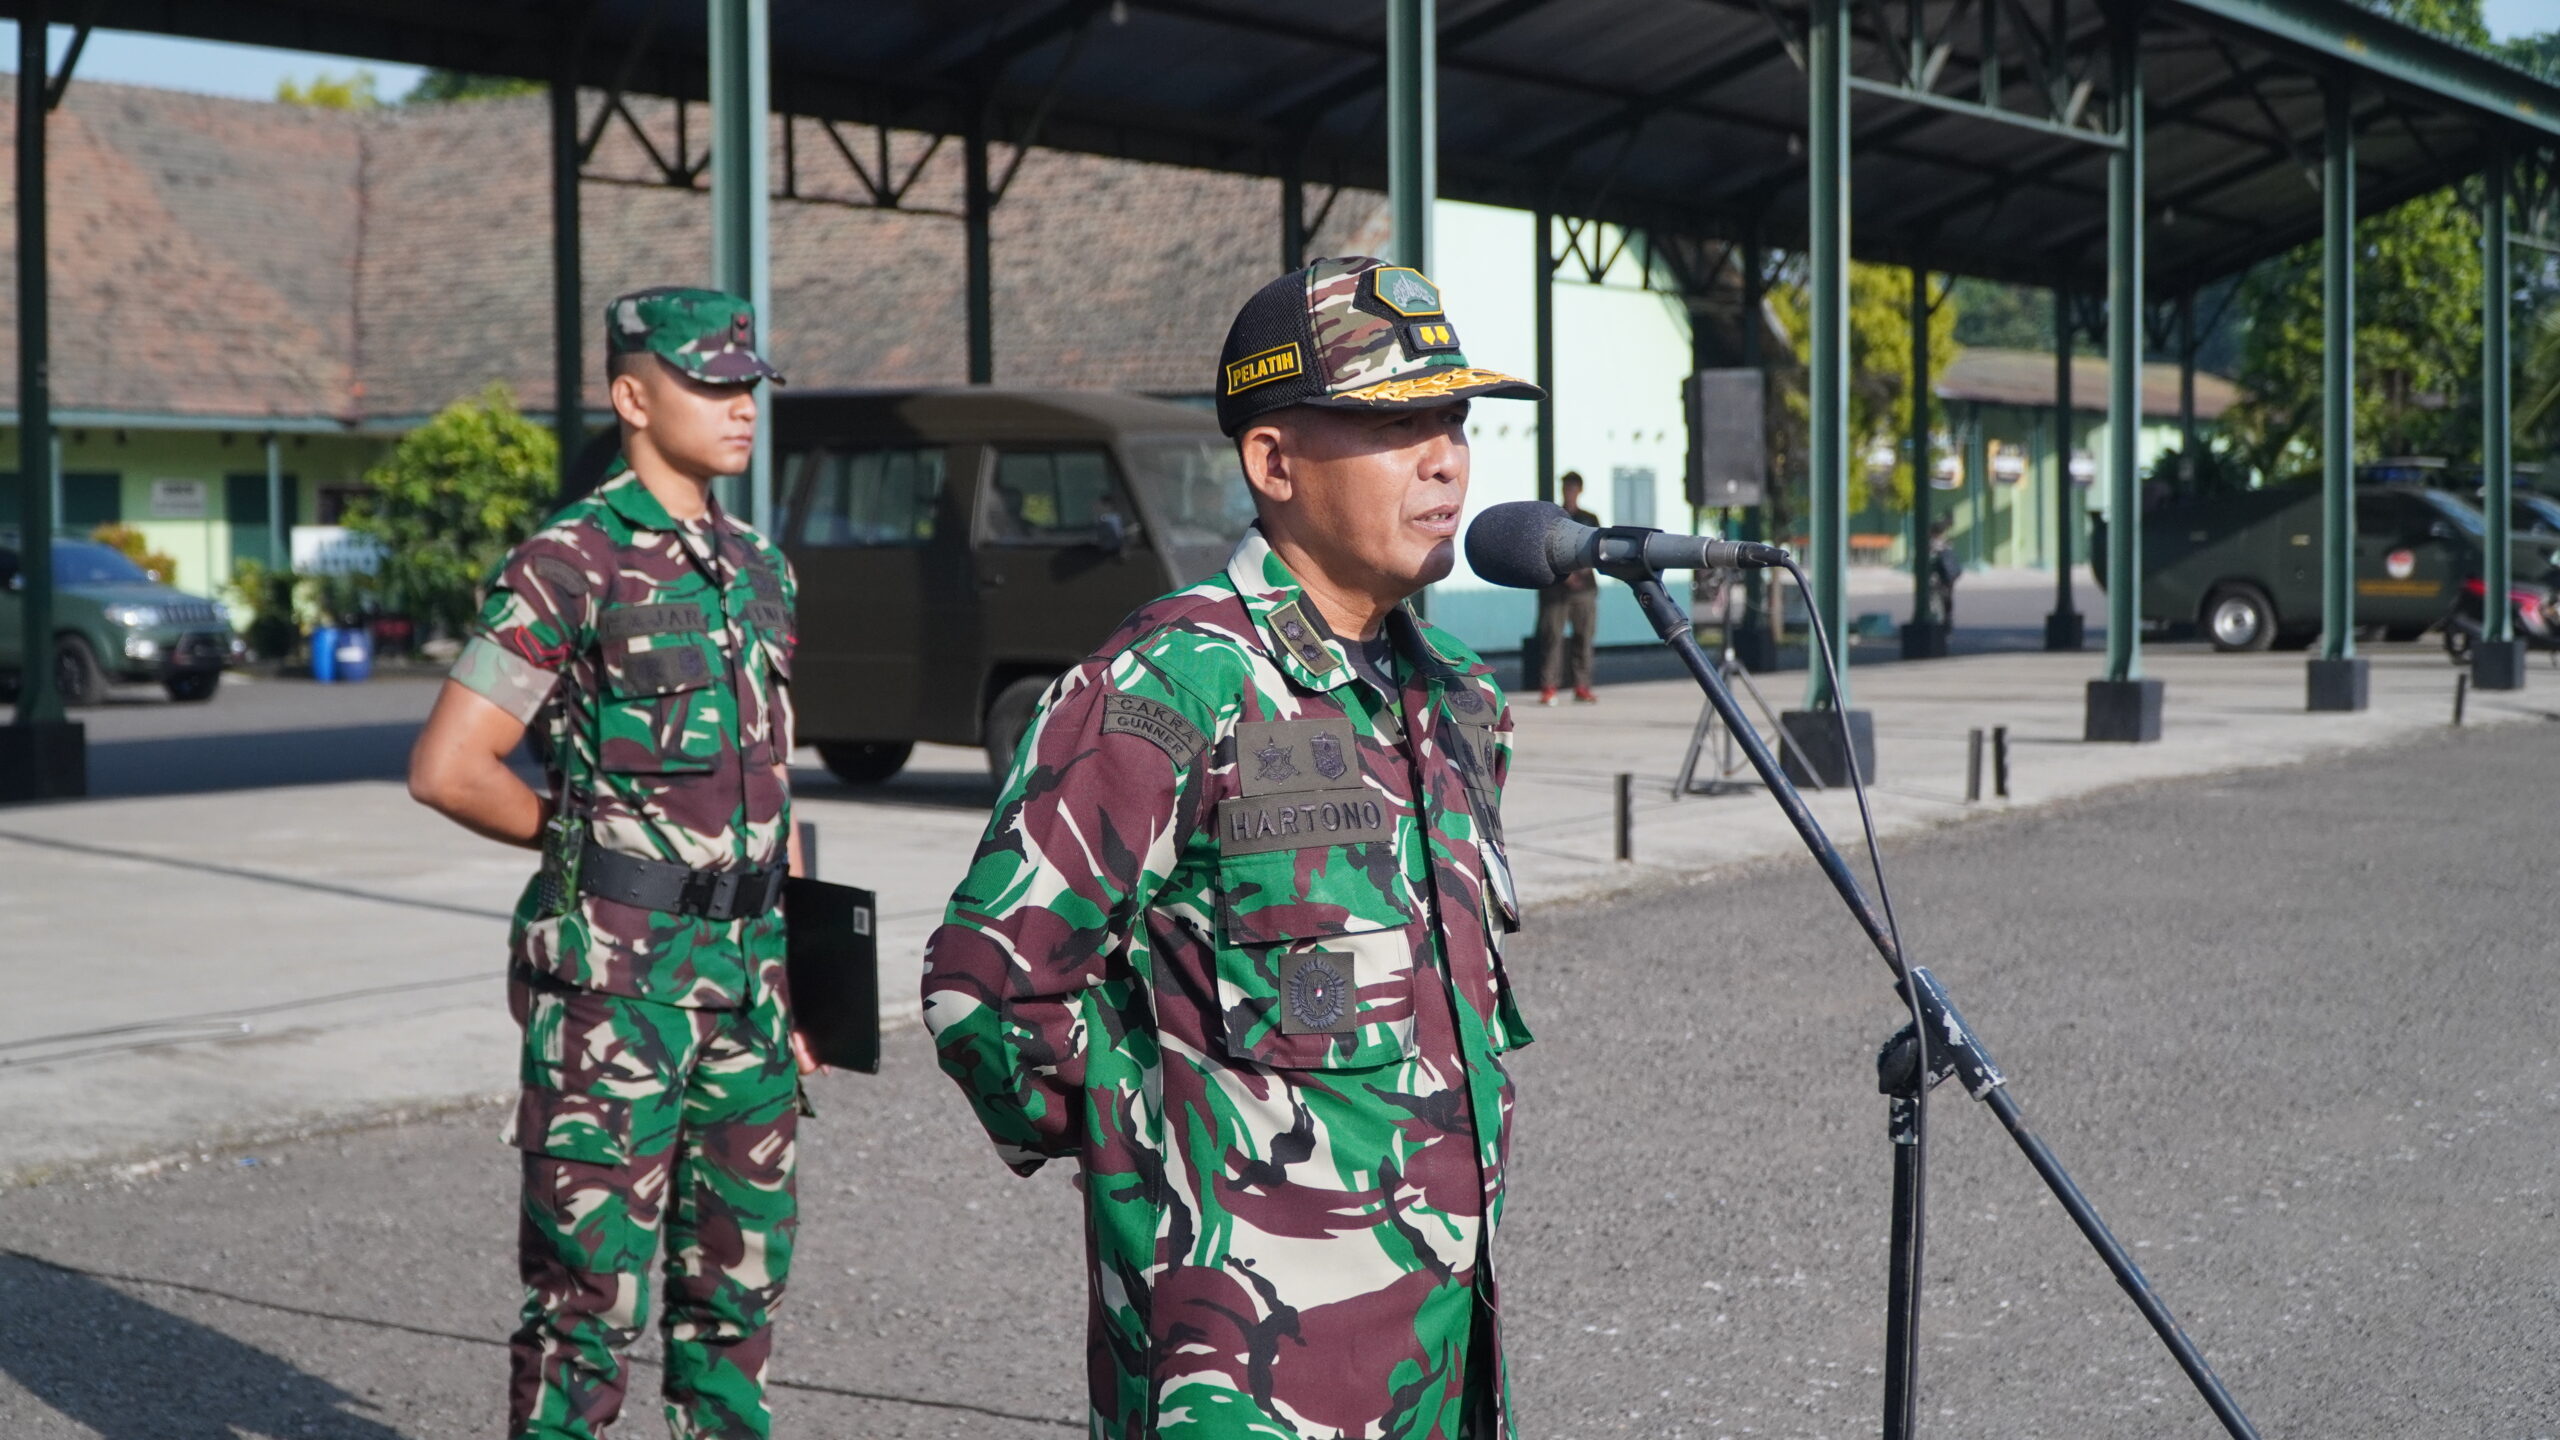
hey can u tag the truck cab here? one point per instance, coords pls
(957, 549)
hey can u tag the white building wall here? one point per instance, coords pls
(1620, 355)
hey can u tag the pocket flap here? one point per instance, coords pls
(1312, 894)
(593, 1129)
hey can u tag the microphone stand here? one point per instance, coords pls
(1952, 1049)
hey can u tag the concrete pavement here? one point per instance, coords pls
(192, 965)
(2292, 1031)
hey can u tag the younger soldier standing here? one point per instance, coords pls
(1232, 942)
(645, 636)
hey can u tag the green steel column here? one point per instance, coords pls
(2063, 627)
(1542, 229)
(1921, 610)
(39, 702)
(2193, 463)
(741, 69)
(279, 555)
(1827, 183)
(1754, 645)
(1413, 129)
(568, 303)
(977, 211)
(2124, 367)
(2338, 380)
(2496, 382)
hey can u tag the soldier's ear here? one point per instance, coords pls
(630, 398)
(1265, 453)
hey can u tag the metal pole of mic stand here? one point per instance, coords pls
(1953, 1049)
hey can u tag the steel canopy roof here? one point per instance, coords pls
(1682, 117)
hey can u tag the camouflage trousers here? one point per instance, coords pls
(638, 1117)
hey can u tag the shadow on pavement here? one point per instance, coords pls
(250, 760)
(132, 1371)
(85, 1348)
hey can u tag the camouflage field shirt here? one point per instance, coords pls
(652, 660)
(1233, 942)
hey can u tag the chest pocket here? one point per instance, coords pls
(1315, 958)
(662, 713)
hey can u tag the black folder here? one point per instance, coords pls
(834, 960)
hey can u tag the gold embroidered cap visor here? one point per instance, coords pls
(1439, 385)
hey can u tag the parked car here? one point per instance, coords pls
(2245, 567)
(957, 549)
(113, 622)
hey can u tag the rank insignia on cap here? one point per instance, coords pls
(1277, 363)
(1316, 994)
(1405, 290)
(1428, 337)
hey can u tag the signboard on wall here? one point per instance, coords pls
(180, 499)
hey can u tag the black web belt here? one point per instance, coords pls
(666, 886)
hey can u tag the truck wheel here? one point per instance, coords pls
(2240, 617)
(864, 762)
(1009, 717)
(76, 676)
(188, 689)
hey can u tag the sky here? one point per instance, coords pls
(252, 71)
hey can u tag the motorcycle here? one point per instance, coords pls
(2537, 618)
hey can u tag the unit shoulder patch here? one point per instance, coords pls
(1156, 723)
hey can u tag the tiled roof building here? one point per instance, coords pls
(236, 261)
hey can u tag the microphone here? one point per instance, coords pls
(1530, 545)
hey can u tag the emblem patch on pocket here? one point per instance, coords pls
(1316, 994)
(1325, 749)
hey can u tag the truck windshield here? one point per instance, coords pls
(2538, 512)
(2472, 522)
(1195, 488)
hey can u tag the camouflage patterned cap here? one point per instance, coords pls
(708, 334)
(1353, 334)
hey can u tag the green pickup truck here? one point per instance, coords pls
(2245, 568)
(113, 622)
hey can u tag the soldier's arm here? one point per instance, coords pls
(1087, 831)
(459, 768)
(526, 637)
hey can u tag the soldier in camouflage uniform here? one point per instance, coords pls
(645, 638)
(1233, 940)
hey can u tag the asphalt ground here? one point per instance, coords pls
(2292, 1030)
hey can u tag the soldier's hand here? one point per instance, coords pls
(807, 1062)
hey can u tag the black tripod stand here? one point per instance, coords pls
(1914, 1060)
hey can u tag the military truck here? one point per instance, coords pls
(957, 549)
(2245, 568)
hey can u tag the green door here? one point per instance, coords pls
(2409, 558)
(244, 505)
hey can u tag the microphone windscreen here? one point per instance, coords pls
(1510, 543)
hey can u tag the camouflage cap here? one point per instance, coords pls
(708, 334)
(1353, 333)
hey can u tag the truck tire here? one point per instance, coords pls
(192, 688)
(76, 676)
(2239, 617)
(864, 762)
(1008, 716)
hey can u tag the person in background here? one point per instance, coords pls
(1573, 601)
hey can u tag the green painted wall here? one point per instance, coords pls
(233, 524)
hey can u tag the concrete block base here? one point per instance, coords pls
(2339, 686)
(2065, 632)
(44, 762)
(1811, 749)
(1924, 640)
(2497, 665)
(2124, 711)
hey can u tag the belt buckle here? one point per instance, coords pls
(722, 902)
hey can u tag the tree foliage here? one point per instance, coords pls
(2417, 300)
(1879, 368)
(325, 91)
(455, 495)
(438, 87)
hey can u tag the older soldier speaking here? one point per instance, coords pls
(651, 635)
(1233, 938)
